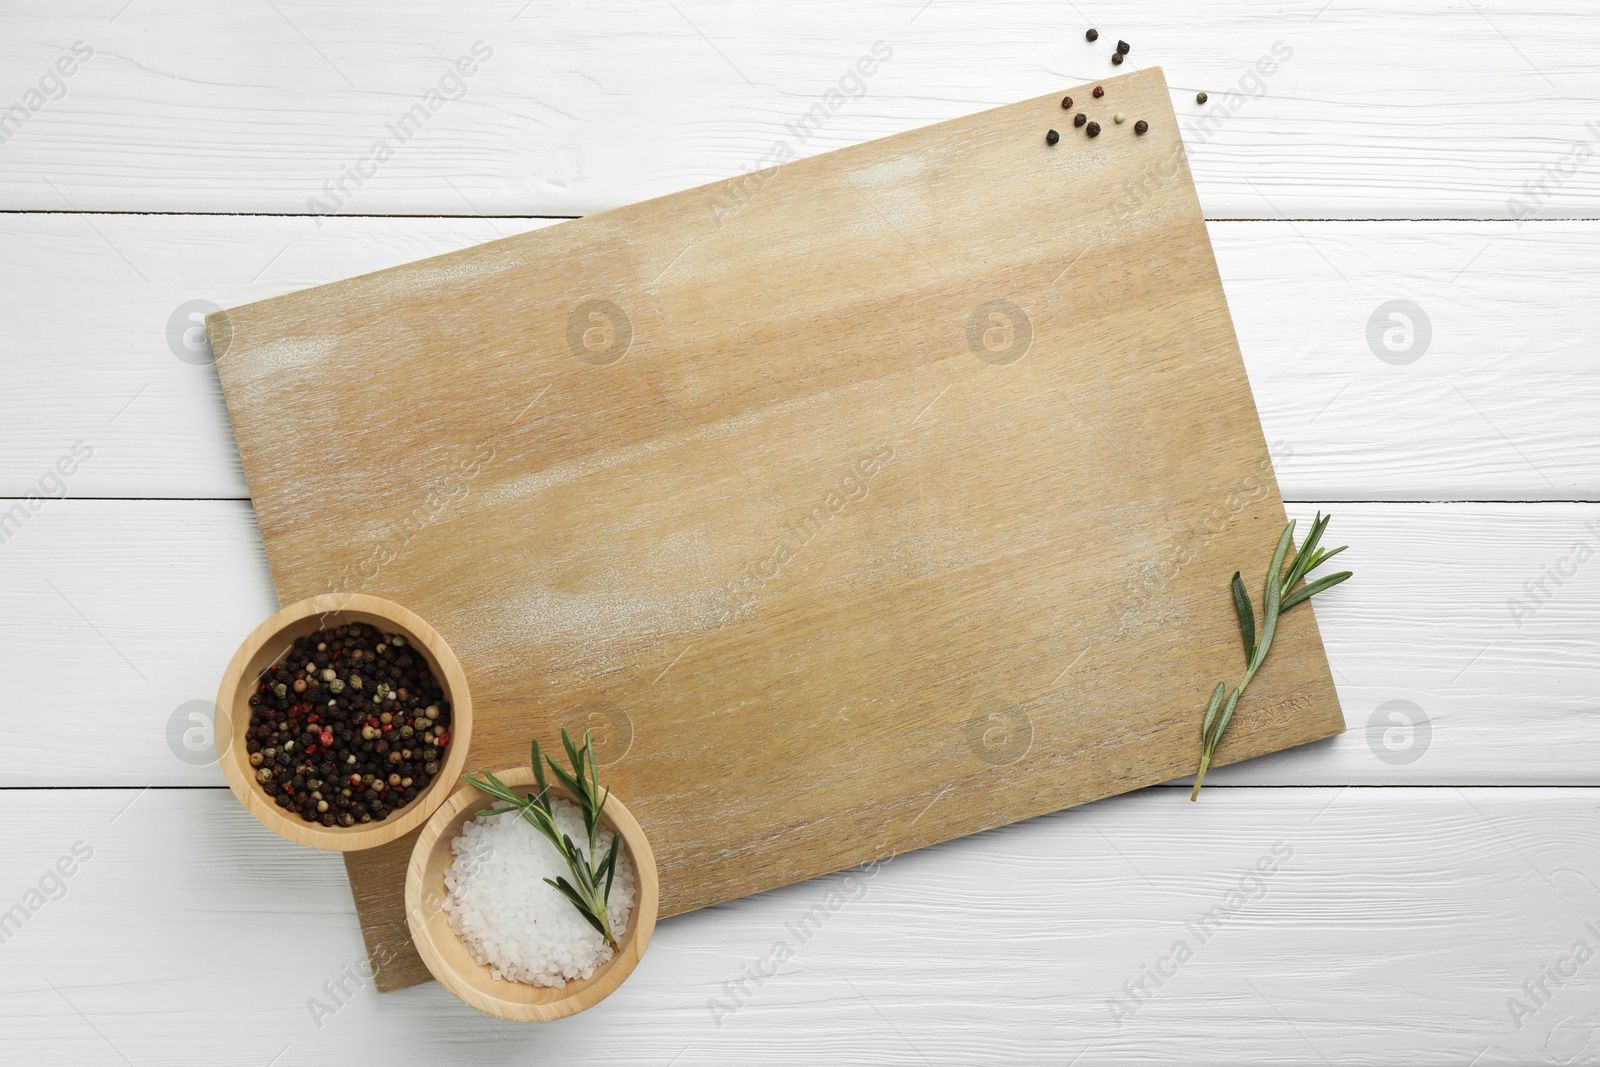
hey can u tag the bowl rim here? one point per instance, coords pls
(232, 710)
(426, 923)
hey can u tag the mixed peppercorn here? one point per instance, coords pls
(349, 728)
(1082, 121)
(1092, 129)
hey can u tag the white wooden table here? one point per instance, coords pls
(1432, 168)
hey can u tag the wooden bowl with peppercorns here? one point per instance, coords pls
(343, 722)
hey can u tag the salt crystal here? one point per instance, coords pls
(509, 919)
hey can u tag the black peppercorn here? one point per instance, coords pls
(1051, 137)
(1066, 103)
(325, 728)
(1079, 119)
(1141, 127)
(1099, 91)
(1123, 48)
(1199, 98)
(1116, 59)
(1092, 36)
(1093, 129)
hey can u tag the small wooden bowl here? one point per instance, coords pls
(450, 961)
(269, 643)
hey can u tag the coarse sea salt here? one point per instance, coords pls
(514, 923)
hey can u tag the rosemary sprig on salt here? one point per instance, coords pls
(509, 898)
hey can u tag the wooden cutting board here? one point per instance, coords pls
(858, 504)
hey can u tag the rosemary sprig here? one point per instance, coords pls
(590, 887)
(1279, 596)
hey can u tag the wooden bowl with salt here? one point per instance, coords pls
(268, 644)
(452, 963)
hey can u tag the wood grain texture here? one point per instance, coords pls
(1419, 912)
(175, 586)
(1471, 419)
(693, 467)
(1316, 111)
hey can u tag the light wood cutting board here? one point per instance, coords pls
(862, 503)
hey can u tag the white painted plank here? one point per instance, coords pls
(120, 617)
(119, 614)
(1421, 361)
(190, 935)
(1497, 405)
(1352, 109)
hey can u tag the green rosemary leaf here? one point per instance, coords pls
(611, 864)
(567, 779)
(1306, 592)
(578, 902)
(501, 790)
(1269, 600)
(584, 879)
(1323, 557)
(572, 753)
(1211, 713)
(495, 788)
(1247, 617)
(596, 798)
(1318, 553)
(572, 757)
(581, 871)
(1305, 557)
(571, 784)
(538, 776)
(1227, 717)
(595, 922)
(564, 887)
(544, 821)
